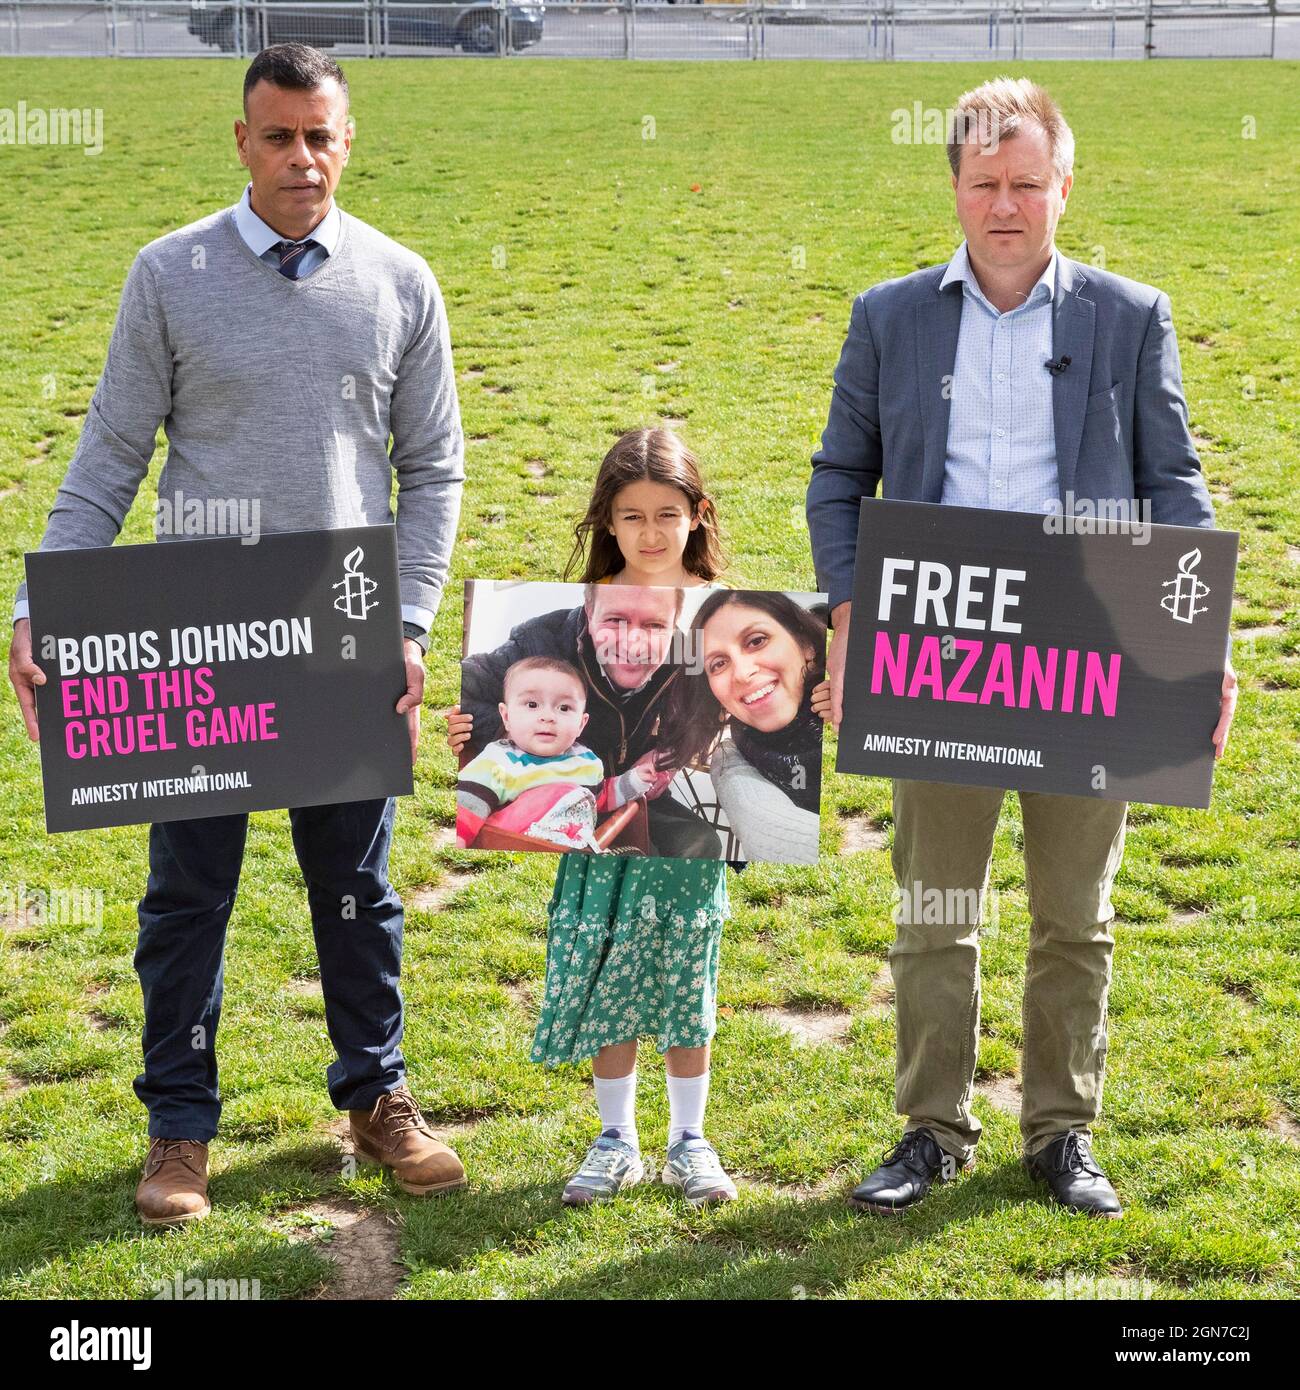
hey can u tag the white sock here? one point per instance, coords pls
(616, 1101)
(687, 1097)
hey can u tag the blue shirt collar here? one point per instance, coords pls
(959, 269)
(260, 238)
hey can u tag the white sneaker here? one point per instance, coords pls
(694, 1166)
(609, 1167)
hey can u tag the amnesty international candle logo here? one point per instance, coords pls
(356, 587)
(197, 679)
(991, 649)
(1187, 590)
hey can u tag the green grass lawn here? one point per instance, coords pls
(591, 289)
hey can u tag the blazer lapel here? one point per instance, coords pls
(1074, 321)
(938, 322)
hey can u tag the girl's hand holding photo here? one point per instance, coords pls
(459, 728)
(821, 699)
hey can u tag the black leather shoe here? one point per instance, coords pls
(1067, 1166)
(908, 1172)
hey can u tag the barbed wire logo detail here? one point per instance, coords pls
(1187, 589)
(356, 587)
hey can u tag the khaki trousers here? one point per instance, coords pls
(943, 849)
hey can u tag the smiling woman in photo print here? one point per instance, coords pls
(760, 685)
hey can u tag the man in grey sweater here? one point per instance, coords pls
(280, 343)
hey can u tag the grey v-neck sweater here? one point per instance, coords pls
(280, 391)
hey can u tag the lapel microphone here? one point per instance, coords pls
(1058, 366)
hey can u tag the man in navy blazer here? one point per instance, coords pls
(1016, 379)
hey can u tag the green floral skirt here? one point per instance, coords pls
(632, 951)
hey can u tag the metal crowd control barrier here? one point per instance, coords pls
(884, 30)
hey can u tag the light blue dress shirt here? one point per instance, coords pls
(1001, 433)
(260, 239)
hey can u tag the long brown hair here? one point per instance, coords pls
(693, 719)
(646, 455)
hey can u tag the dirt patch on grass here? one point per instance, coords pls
(791, 1191)
(1285, 1125)
(881, 999)
(521, 991)
(810, 1026)
(1002, 1092)
(862, 833)
(1241, 989)
(361, 1244)
(20, 933)
(432, 896)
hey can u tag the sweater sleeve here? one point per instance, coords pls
(618, 791)
(770, 826)
(428, 456)
(480, 790)
(117, 441)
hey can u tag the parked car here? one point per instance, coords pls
(473, 28)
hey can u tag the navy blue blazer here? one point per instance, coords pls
(1118, 410)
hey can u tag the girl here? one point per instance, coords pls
(633, 943)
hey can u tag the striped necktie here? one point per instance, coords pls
(291, 254)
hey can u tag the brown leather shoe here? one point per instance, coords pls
(395, 1135)
(174, 1187)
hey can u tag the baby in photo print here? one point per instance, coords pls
(539, 780)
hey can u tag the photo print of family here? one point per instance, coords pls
(616, 719)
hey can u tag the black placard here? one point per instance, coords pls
(206, 677)
(1087, 658)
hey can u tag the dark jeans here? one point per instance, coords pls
(357, 920)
